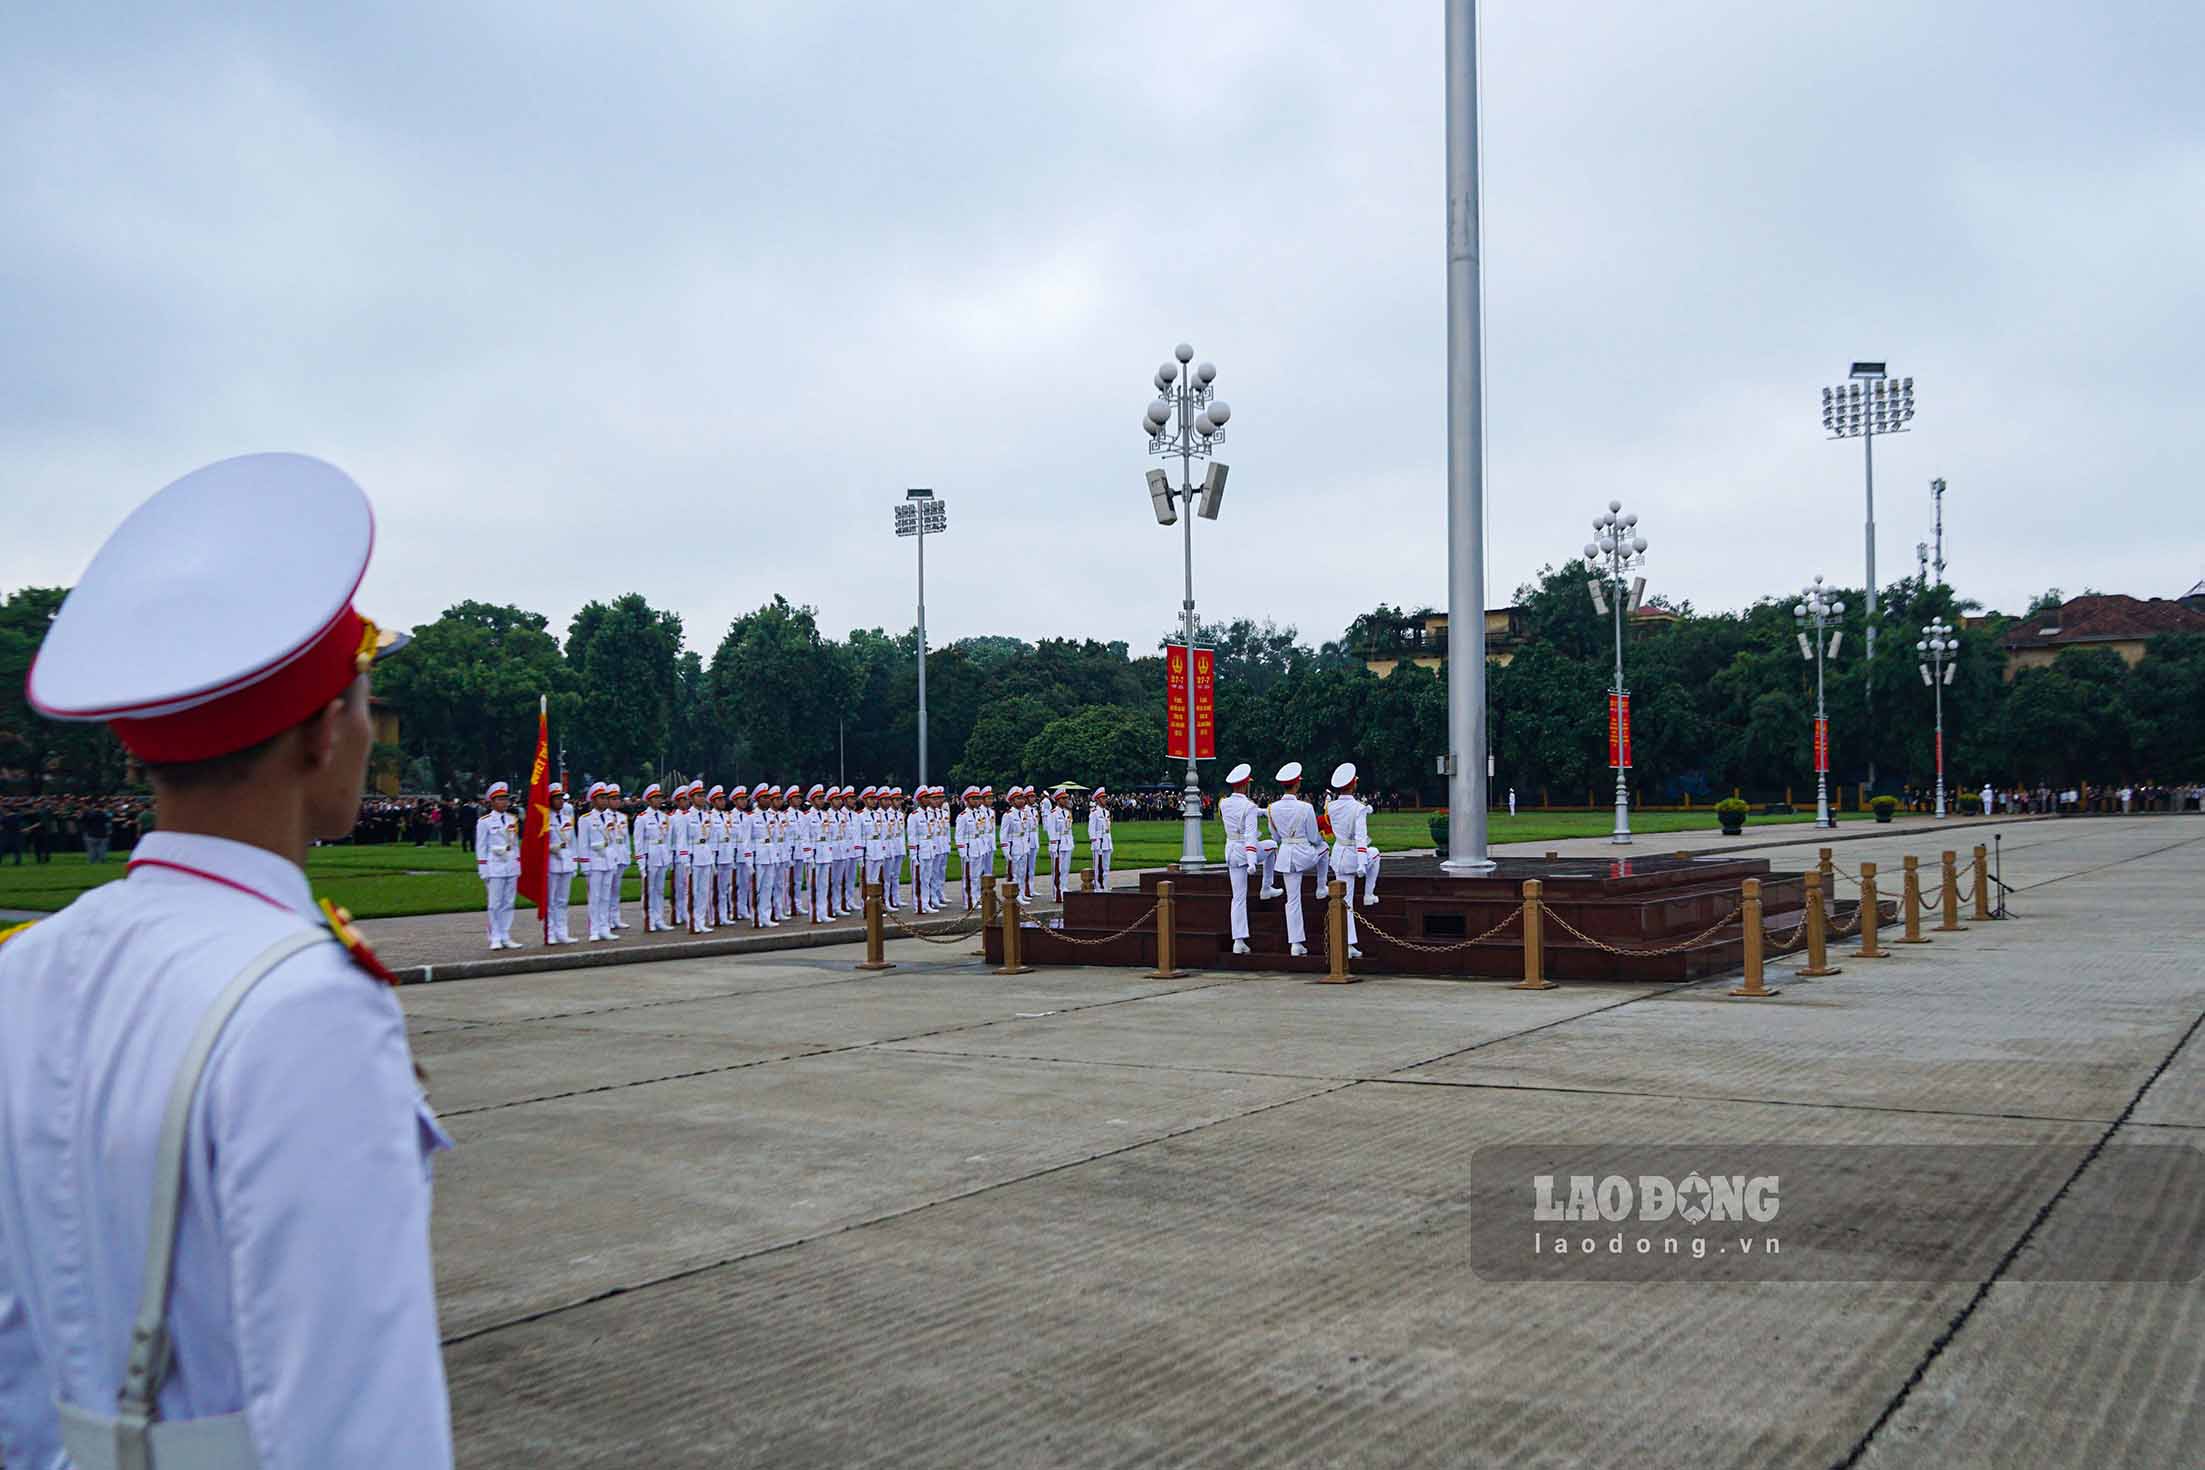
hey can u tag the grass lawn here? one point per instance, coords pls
(383, 882)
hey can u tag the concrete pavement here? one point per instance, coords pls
(764, 1209)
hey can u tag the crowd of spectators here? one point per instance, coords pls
(37, 827)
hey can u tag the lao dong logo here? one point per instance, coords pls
(1654, 1198)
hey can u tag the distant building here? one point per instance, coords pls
(1421, 638)
(384, 717)
(2098, 620)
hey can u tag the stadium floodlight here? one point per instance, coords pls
(920, 515)
(1187, 419)
(1868, 403)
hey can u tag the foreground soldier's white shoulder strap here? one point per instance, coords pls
(131, 1439)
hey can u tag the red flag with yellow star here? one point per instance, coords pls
(536, 830)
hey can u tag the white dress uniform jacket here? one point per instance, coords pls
(1350, 833)
(1242, 849)
(312, 1080)
(560, 833)
(498, 845)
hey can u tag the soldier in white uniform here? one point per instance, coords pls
(1351, 852)
(681, 842)
(1301, 850)
(968, 835)
(842, 887)
(918, 836)
(726, 854)
(1059, 828)
(742, 826)
(214, 1151)
(1242, 852)
(1029, 814)
(498, 863)
(1098, 835)
(559, 868)
(620, 850)
(591, 842)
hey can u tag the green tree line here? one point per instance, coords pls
(1720, 701)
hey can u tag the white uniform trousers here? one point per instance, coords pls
(1371, 862)
(614, 921)
(654, 891)
(499, 896)
(695, 880)
(821, 907)
(683, 867)
(1060, 865)
(844, 890)
(1102, 867)
(723, 880)
(746, 884)
(558, 897)
(1237, 875)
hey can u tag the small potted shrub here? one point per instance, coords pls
(1883, 807)
(1970, 804)
(1731, 812)
(1438, 828)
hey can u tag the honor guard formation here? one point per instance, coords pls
(214, 1146)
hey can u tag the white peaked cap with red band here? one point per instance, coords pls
(738, 791)
(715, 791)
(1342, 773)
(1239, 773)
(219, 613)
(649, 791)
(556, 789)
(497, 788)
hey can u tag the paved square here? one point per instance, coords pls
(765, 1210)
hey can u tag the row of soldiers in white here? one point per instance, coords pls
(769, 853)
(1296, 847)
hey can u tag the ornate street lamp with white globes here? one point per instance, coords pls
(1814, 613)
(1187, 419)
(1939, 650)
(1617, 551)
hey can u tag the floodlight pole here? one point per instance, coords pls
(1617, 550)
(922, 651)
(1191, 856)
(911, 518)
(1886, 408)
(1467, 774)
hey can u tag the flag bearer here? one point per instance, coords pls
(559, 868)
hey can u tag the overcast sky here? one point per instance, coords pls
(679, 298)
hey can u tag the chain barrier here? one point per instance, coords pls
(1363, 921)
(1797, 941)
(951, 936)
(1059, 934)
(1844, 931)
(1724, 922)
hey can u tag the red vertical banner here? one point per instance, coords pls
(1205, 704)
(1175, 701)
(1940, 752)
(1619, 731)
(1822, 747)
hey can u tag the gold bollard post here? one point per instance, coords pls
(1828, 869)
(1911, 901)
(1336, 956)
(1009, 909)
(1167, 935)
(1950, 897)
(1869, 918)
(1818, 953)
(987, 915)
(1087, 880)
(876, 941)
(1982, 883)
(1749, 907)
(1535, 956)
